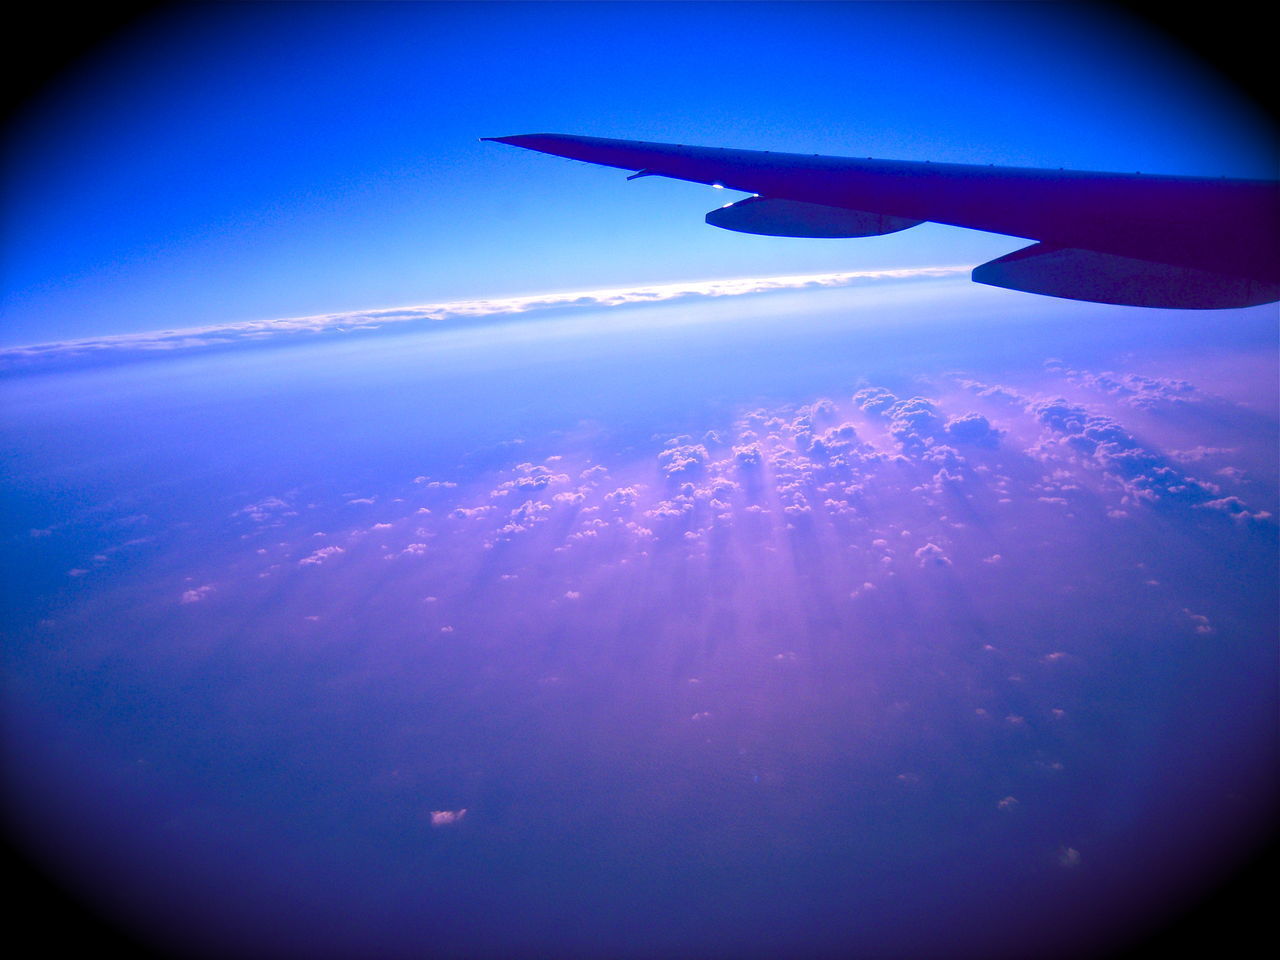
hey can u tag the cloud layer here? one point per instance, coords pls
(999, 625)
(134, 345)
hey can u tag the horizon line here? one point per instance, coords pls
(213, 336)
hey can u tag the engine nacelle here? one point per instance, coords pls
(772, 217)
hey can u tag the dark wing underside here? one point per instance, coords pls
(1157, 241)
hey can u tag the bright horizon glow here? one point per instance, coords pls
(189, 338)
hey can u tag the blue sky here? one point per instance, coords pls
(233, 163)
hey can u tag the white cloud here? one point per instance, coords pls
(194, 338)
(320, 556)
(932, 555)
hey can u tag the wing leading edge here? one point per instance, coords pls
(1137, 240)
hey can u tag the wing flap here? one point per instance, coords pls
(1074, 274)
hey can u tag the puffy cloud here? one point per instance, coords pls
(748, 457)
(1200, 621)
(874, 399)
(683, 459)
(533, 477)
(470, 513)
(268, 510)
(932, 555)
(1235, 508)
(196, 594)
(822, 411)
(1144, 475)
(622, 496)
(943, 456)
(1133, 389)
(669, 509)
(1061, 415)
(320, 556)
(972, 428)
(1007, 396)
(914, 423)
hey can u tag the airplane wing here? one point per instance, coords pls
(1132, 239)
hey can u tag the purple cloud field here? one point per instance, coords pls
(953, 657)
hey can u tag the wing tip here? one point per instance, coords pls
(519, 139)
